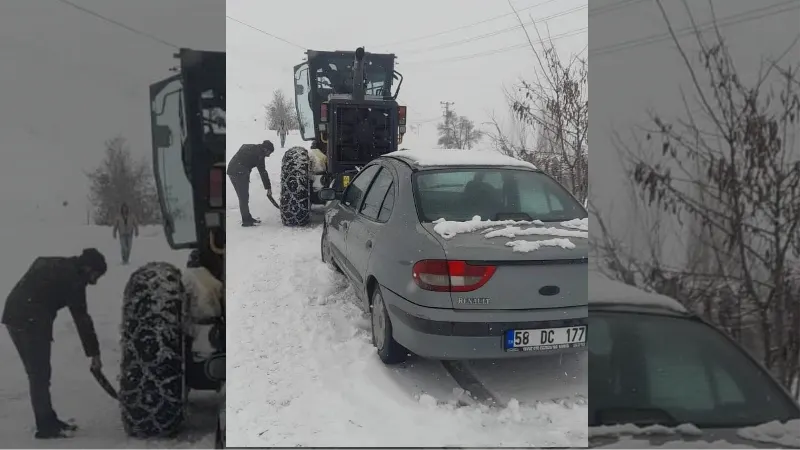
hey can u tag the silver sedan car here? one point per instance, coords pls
(461, 254)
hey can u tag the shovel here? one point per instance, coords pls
(272, 200)
(104, 383)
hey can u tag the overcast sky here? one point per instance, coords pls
(474, 83)
(625, 84)
(70, 81)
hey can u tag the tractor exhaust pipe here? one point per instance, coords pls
(358, 75)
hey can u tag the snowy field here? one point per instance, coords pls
(303, 372)
(76, 395)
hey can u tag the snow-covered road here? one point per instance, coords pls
(75, 392)
(302, 370)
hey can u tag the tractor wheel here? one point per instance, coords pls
(152, 392)
(295, 187)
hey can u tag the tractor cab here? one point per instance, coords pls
(345, 103)
(187, 112)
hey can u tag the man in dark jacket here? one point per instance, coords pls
(248, 157)
(50, 284)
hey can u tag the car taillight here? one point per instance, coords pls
(401, 114)
(215, 196)
(450, 276)
(323, 113)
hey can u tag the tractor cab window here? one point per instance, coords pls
(305, 115)
(213, 110)
(335, 76)
(169, 138)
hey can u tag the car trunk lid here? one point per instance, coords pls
(537, 271)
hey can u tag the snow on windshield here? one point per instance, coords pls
(449, 229)
(627, 434)
(635, 430)
(442, 157)
(786, 434)
(628, 442)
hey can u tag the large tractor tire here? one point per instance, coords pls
(295, 187)
(153, 391)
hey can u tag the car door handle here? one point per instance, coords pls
(369, 244)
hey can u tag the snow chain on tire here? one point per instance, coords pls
(152, 372)
(295, 187)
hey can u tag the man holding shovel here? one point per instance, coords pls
(50, 284)
(240, 166)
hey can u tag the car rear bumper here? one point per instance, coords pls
(449, 334)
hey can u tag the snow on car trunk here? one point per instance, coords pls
(513, 264)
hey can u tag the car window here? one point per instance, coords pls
(388, 204)
(377, 192)
(493, 194)
(652, 368)
(355, 192)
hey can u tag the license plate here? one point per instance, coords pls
(545, 339)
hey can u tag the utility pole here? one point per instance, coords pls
(447, 124)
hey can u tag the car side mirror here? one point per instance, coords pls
(328, 194)
(299, 89)
(162, 136)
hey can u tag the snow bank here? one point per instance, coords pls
(786, 434)
(442, 157)
(604, 290)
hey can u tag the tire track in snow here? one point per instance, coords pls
(471, 384)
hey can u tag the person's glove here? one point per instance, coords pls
(96, 364)
(269, 192)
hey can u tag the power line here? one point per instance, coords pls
(612, 7)
(119, 24)
(686, 31)
(498, 32)
(503, 49)
(428, 36)
(268, 34)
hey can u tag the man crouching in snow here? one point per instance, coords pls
(50, 284)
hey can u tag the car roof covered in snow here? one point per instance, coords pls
(437, 157)
(605, 291)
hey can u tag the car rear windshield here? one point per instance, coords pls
(493, 194)
(648, 368)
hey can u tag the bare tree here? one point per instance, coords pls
(728, 174)
(457, 131)
(551, 117)
(119, 178)
(281, 108)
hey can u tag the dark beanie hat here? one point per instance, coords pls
(92, 258)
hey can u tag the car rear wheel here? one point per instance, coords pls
(389, 350)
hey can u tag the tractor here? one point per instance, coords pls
(173, 320)
(345, 105)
